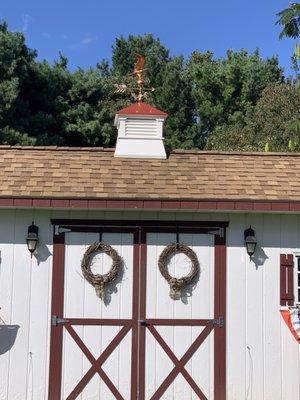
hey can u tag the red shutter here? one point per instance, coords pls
(286, 279)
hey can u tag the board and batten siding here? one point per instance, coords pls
(263, 358)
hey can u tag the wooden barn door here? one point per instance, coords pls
(138, 343)
(93, 354)
(182, 343)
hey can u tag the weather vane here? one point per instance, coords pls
(138, 91)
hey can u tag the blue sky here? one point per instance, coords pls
(85, 30)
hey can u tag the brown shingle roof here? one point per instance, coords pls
(94, 173)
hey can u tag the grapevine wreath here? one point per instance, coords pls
(177, 284)
(100, 281)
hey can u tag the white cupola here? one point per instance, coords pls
(140, 132)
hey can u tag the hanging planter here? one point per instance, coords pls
(100, 281)
(177, 284)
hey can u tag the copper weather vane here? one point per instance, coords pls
(138, 72)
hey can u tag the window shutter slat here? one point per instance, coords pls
(286, 279)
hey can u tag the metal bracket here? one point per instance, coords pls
(58, 229)
(217, 231)
(142, 322)
(55, 320)
(219, 322)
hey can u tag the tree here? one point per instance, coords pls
(46, 93)
(16, 62)
(289, 19)
(124, 54)
(174, 96)
(272, 125)
(224, 89)
(91, 110)
(47, 104)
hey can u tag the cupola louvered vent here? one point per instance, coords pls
(136, 127)
(140, 132)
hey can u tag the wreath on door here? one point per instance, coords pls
(100, 281)
(177, 284)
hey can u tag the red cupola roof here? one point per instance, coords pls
(141, 108)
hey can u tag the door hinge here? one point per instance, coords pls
(55, 320)
(219, 322)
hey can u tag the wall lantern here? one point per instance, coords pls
(250, 241)
(32, 238)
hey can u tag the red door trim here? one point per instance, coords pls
(146, 224)
(57, 308)
(220, 310)
(135, 314)
(142, 316)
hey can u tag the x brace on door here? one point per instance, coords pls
(179, 365)
(96, 363)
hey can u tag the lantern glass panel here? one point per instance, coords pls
(251, 245)
(31, 242)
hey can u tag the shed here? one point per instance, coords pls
(219, 335)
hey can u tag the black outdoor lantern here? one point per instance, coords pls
(32, 238)
(250, 241)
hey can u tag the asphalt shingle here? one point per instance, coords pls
(94, 173)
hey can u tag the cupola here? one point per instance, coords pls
(140, 132)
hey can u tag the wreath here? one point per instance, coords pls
(100, 281)
(177, 284)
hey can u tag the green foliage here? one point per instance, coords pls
(16, 62)
(126, 50)
(220, 103)
(225, 89)
(271, 125)
(289, 19)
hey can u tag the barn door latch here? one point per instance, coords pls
(55, 320)
(219, 322)
(142, 322)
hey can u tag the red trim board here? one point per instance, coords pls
(148, 204)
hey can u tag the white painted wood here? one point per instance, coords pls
(254, 318)
(6, 289)
(81, 302)
(20, 358)
(271, 318)
(290, 348)
(253, 310)
(262, 357)
(140, 136)
(236, 312)
(40, 309)
(195, 304)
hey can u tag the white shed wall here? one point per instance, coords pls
(263, 359)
